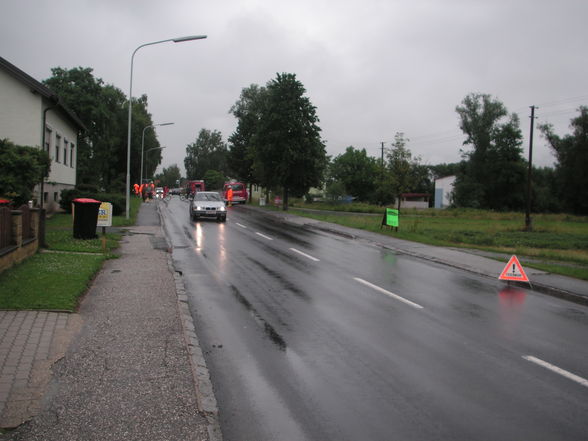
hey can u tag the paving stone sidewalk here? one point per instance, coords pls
(30, 342)
(124, 367)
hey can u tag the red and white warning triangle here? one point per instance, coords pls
(514, 271)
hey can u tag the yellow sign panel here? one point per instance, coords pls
(105, 215)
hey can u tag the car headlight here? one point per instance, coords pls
(223, 208)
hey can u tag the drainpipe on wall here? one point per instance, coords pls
(42, 189)
(43, 131)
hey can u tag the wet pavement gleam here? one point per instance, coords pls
(298, 349)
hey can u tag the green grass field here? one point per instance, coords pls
(55, 279)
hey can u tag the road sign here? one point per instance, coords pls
(104, 215)
(513, 271)
(390, 218)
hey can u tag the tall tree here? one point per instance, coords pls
(169, 176)
(405, 170)
(288, 150)
(208, 152)
(247, 110)
(492, 175)
(571, 153)
(102, 150)
(21, 168)
(357, 172)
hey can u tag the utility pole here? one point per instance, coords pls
(382, 177)
(528, 221)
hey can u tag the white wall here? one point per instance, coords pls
(21, 120)
(19, 112)
(444, 191)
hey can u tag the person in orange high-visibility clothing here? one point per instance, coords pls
(230, 196)
(137, 190)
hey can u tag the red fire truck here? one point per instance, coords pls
(192, 187)
(240, 194)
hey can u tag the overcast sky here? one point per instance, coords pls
(371, 67)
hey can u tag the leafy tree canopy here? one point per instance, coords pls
(169, 176)
(288, 149)
(214, 180)
(492, 175)
(405, 170)
(247, 110)
(571, 152)
(357, 172)
(102, 150)
(21, 168)
(208, 152)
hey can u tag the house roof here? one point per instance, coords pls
(40, 88)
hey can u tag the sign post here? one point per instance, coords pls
(104, 220)
(391, 218)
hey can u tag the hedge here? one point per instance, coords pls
(118, 201)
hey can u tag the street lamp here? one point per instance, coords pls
(148, 150)
(175, 40)
(143, 144)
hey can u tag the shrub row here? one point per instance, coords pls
(118, 201)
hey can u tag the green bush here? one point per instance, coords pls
(118, 201)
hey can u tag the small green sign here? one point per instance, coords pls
(391, 217)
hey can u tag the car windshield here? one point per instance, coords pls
(207, 197)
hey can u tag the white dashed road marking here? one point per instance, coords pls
(264, 236)
(388, 293)
(308, 256)
(557, 370)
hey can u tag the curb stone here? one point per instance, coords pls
(207, 404)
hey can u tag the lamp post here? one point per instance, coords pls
(143, 144)
(148, 150)
(175, 40)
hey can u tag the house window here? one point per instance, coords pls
(65, 151)
(71, 158)
(48, 140)
(57, 147)
(55, 196)
(45, 197)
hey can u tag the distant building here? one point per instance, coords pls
(27, 110)
(414, 200)
(444, 191)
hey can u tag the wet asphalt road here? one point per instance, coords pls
(311, 336)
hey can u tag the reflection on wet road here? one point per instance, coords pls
(310, 336)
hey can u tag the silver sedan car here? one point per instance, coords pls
(208, 204)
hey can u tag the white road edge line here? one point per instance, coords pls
(557, 370)
(388, 293)
(305, 255)
(240, 225)
(264, 236)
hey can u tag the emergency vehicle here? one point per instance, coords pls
(240, 194)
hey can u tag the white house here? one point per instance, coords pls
(444, 191)
(28, 109)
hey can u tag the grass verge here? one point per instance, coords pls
(49, 281)
(54, 279)
(558, 243)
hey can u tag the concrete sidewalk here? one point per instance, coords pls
(126, 366)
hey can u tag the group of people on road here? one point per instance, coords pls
(145, 191)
